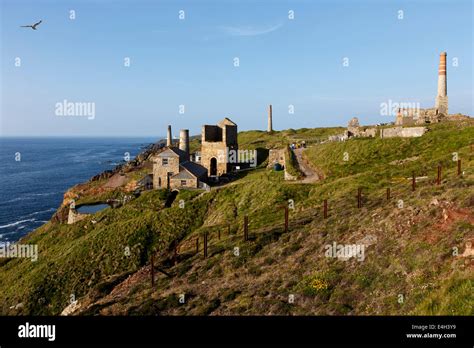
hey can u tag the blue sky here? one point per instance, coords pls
(190, 62)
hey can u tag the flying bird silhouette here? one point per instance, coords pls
(31, 26)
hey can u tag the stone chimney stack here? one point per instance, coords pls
(442, 97)
(169, 139)
(270, 123)
(184, 141)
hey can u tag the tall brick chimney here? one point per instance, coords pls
(270, 124)
(184, 141)
(169, 140)
(442, 98)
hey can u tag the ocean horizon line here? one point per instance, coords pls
(82, 136)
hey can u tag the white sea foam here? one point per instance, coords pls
(16, 223)
(16, 200)
(29, 196)
(40, 212)
(43, 194)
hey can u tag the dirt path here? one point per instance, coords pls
(310, 174)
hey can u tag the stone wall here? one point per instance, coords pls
(361, 132)
(74, 216)
(405, 121)
(355, 130)
(402, 132)
(230, 135)
(338, 137)
(276, 156)
(211, 133)
(211, 148)
(412, 116)
(289, 177)
(368, 132)
(215, 150)
(160, 172)
(190, 183)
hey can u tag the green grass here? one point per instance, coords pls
(280, 139)
(74, 258)
(409, 258)
(453, 297)
(365, 155)
(292, 164)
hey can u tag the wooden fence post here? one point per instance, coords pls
(359, 197)
(197, 245)
(325, 208)
(459, 167)
(152, 270)
(286, 219)
(388, 193)
(205, 245)
(413, 181)
(246, 227)
(438, 180)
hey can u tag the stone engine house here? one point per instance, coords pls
(172, 168)
(216, 141)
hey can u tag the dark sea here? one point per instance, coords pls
(32, 188)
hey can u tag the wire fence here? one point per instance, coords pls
(219, 235)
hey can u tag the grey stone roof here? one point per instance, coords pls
(195, 168)
(189, 170)
(172, 152)
(183, 174)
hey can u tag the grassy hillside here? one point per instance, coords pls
(409, 266)
(278, 139)
(377, 155)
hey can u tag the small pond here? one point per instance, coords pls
(91, 208)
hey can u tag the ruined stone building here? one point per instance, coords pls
(402, 132)
(416, 116)
(276, 156)
(216, 141)
(413, 117)
(173, 169)
(355, 130)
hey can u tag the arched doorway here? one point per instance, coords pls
(213, 166)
